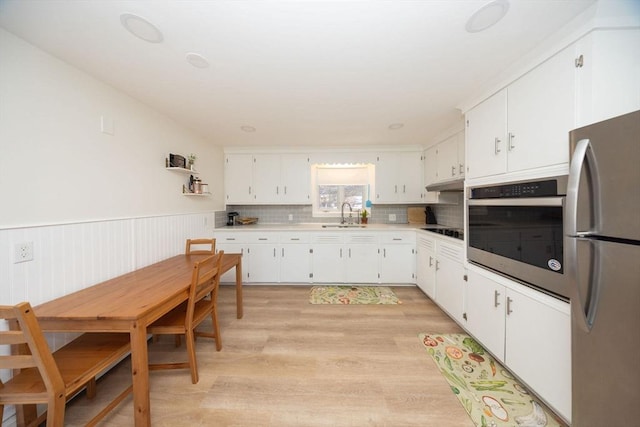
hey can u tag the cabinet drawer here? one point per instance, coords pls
(295, 238)
(263, 238)
(399, 238)
(230, 237)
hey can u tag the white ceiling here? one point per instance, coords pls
(328, 73)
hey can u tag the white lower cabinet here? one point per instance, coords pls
(515, 325)
(295, 258)
(397, 258)
(233, 243)
(344, 257)
(426, 265)
(450, 279)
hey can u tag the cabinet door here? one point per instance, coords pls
(486, 137)
(430, 174)
(295, 179)
(397, 264)
(328, 263)
(386, 178)
(608, 83)
(461, 154)
(234, 248)
(295, 263)
(265, 263)
(541, 110)
(447, 160)
(266, 174)
(409, 176)
(449, 280)
(361, 263)
(426, 266)
(532, 323)
(238, 172)
(485, 310)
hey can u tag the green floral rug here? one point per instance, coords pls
(330, 294)
(487, 391)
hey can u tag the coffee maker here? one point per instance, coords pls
(231, 218)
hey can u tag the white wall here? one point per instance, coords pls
(57, 167)
(93, 205)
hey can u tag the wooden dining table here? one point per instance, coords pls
(128, 304)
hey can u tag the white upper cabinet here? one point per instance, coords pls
(486, 137)
(399, 177)
(608, 73)
(281, 179)
(270, 178)
(540, 114)
(238, 179)
(450, 158)
(525, 125)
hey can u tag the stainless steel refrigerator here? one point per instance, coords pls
(602, 238)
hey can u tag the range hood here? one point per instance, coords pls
(454, 185)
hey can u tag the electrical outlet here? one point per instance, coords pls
(23, 252)
(392, 217)
(290, 217)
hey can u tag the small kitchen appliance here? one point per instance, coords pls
(231, 218)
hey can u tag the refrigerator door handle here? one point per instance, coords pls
(582, 155)
(584, 310)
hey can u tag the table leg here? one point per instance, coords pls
(239, 289)
(140, 375)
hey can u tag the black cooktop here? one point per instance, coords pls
(451, 232)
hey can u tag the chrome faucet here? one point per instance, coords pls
(342, 212)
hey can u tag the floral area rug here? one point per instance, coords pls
(487, 391)
(329, 294)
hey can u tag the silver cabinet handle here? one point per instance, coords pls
(274, 252)
(430, 261)
(453, 171)
(461, 168)
(496, 145)
(396, 188)
(282, 252)
(340, 252)
(277, 190)
(511, 138)
(496, 294)
(285, 189)
(249, 189)
(509, 301)
(349, 252)
(404, 188)
(437, 265)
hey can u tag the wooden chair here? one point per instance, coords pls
(41, 376)
(185, 318)
(199, 242)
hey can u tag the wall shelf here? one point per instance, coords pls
(196, 194)
(181, 170)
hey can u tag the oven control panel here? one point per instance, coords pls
(522, 189)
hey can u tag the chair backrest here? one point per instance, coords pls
(25, 333)
(210, 246)
(205, 281)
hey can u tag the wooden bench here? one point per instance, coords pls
(41, 376)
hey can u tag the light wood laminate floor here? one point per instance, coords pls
(291, 363)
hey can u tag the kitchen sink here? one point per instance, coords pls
(343, 226)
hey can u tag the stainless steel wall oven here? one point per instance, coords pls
(516, 229)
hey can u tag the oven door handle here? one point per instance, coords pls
(531, 201)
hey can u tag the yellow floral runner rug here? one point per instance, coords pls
(487, 391)
(345, 294)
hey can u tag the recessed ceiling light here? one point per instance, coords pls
(487, 16)
(248, 128)
(141, 28)
(197, 60)
(395, 126)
